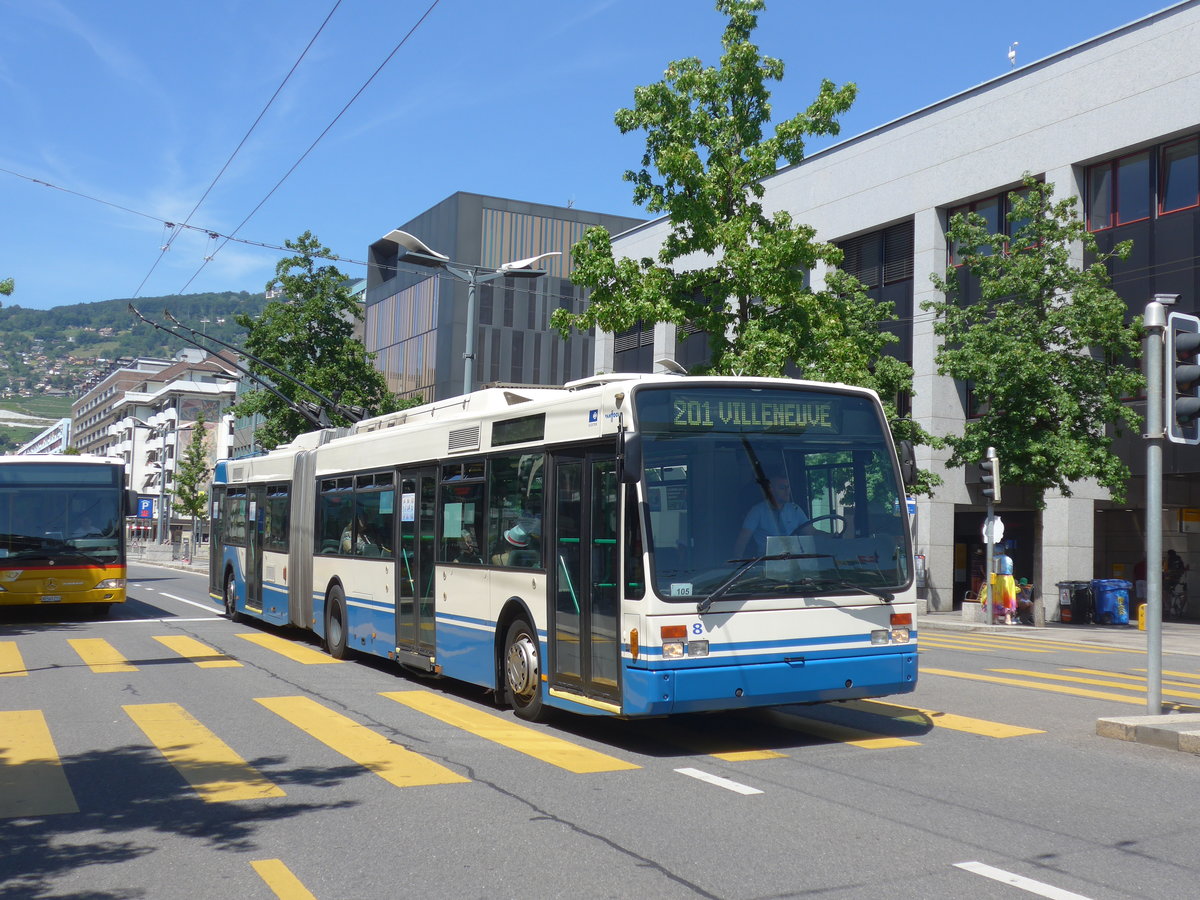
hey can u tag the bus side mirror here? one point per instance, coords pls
(631, 457)
(131, 502)
(908, 462)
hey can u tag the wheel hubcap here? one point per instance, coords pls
(522, 666)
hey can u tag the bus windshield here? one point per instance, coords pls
(796, 486)
(59, 514)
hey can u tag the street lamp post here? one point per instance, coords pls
(133, 462)
(418, 253)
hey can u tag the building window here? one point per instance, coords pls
(881, 257)
(1180, 176)
(1119, 191)
(995, 211)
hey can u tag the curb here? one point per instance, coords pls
(1178, 731)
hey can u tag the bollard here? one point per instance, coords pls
(1141, 617)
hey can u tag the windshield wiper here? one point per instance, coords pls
(849, 585)
(824, 584)
(703, 605)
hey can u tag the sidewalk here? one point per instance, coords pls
(1172, 731)
(1177, 637)
(166, 555)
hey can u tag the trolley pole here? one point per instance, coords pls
(1155, 323)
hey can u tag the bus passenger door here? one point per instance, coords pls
(585, 578)
(414, 565)
(255, 516)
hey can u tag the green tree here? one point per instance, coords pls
(192, 478)
(1047, 347)
(310, 335)
(706, 154)
(6, 286)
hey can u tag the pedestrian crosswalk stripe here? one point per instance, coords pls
(843, 734)
(201, 654)
(101, 656)
(1018, 640)
(1041, 686)
(390, 761)
(940, 719)
(1100, 682)
(206, 762)
(523, 739)
(975, 646)
(32, 780)
(279, 878)
(1191, 675)
(10, 659)
(297, 652)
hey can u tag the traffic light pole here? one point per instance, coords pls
(1155, 323)
(988, 564)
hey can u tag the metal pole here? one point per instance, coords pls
(469, 352)
(989, 563)
(1155, 321)
(163, 501)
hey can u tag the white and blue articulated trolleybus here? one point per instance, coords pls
(585, 547)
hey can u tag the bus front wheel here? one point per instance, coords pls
(522, 672)
(335, 624)
(231, 599)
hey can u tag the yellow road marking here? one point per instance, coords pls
(940, 719)
(1191, 675)
(1127, 677)
(391, 762)
(748, 755)
(101, 656)
(206, 762)
(281, 881)
(1015, 682)
(32, 781)
(521, 738)
(844, 734)
(298, 652)
(10, 659)
(1190, 695)
(201, 654)
(1029, 641)
(972, 647)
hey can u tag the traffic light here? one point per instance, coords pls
(989, 476)
(1182, 384)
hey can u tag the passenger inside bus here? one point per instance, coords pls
(517, 548)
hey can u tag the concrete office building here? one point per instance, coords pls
(1113, 122)
(416, 318)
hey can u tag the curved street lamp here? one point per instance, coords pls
(419, 253)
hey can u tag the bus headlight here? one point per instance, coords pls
(900, 635)
(890, 636)
(110, 584)
(673, 649)
(697, 648)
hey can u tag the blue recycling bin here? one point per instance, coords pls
(1111, 598)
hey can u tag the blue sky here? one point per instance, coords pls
(131, 108)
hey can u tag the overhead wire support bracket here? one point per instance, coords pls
(315, 415)
(353, 413)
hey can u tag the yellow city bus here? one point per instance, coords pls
(62, 539)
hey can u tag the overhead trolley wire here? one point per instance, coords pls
(175, 233)
(313, 145)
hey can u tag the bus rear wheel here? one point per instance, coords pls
(335, 624)
(522, 672)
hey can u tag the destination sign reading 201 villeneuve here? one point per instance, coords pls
(801, 414)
